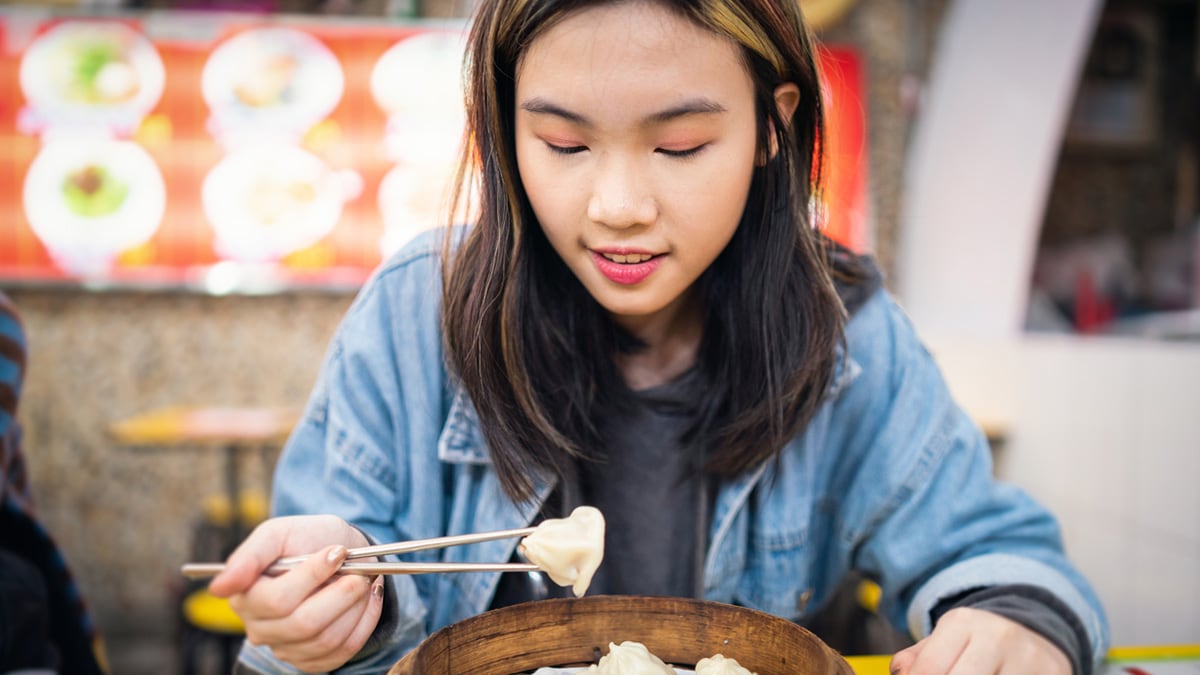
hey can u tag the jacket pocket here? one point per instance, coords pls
(776, 577)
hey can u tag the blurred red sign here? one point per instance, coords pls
(232, 153)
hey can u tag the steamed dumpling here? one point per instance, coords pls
(630, 658)
(719, 665)
(568, 549)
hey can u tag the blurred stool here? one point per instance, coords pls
(868, 594)
(252, 508)
(212, 534)
(208, 628)
(849, 620)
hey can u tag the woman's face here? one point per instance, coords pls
(636, 140)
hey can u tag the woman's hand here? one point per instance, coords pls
(309, 617)
(977, 642)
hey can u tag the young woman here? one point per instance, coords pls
(645, 319)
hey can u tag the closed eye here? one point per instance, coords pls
(566, 149)
(682, 154)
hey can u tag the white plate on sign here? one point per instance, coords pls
(88, 200)
(266, 201)
(91, 73)
(270, 82)
(418, 83)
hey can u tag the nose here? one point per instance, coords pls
(620, 197)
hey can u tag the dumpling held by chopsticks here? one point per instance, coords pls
(568, 549)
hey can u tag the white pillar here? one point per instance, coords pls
(982, 158)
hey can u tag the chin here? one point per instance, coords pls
(630, 310)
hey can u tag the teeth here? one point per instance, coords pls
(632, 258)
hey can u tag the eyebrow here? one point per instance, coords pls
(694, 106)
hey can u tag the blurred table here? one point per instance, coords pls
(228, 429)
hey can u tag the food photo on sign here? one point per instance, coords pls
(227, 152)
(266, 201)
(273, 81)
(89, 74)
(90, 198)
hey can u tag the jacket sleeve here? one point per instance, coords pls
(368, 434)
(933, 522)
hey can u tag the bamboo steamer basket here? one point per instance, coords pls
(571, 632)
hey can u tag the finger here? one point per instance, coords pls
(340, 641)
(370, 618)
(902, 660)
(942, 648)
(320, 651)
(278, 597)
(315, 616)
(248, 561)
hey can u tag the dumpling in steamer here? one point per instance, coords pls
(568, 549)
(719, 665)
(630, 658)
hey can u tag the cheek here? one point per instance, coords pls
(532, 178)
(717, 201)
(526, 167)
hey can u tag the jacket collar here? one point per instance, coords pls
(845, 370)
(461, 440)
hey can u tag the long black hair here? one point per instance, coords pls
(535, 351)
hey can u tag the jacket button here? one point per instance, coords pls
(803, 598)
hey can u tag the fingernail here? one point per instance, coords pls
(335, 554)
(377, 588)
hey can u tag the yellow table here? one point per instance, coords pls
(870, 665)
(1146, 660)
(230, 429)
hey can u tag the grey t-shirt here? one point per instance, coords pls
(649, 487)
(655, 504)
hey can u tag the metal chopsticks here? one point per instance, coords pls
(420, 544)
(204, 570)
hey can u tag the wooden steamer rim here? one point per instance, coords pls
(570, 632)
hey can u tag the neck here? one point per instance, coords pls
(672, 342)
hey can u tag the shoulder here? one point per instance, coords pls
(880, 332)
(897, 391)
(410, 279)
(897, 417)
(390, 335)
(422, 254)
(394, 320)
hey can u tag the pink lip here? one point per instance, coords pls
(625, 274)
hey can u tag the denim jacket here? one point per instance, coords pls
(890, 478)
